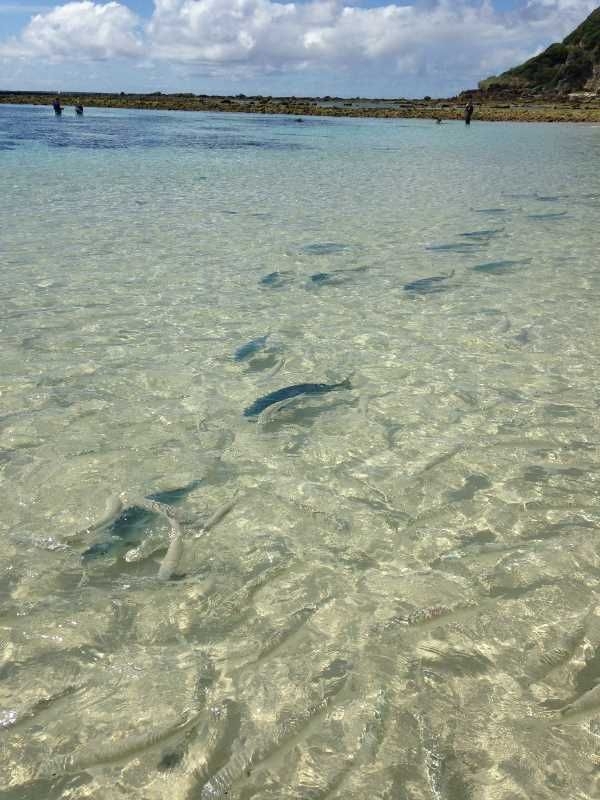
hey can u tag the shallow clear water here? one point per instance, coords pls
(405, 591)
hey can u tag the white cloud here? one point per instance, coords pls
(268, 36)
(78, 31)
(433, 39)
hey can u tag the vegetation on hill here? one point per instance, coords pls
(572, 65)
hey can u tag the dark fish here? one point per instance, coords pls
(325, 279)
(498, 267)
(491, 210)
(126, 529)
(99, 549)
(524, 337)
(130, 526)
(427, 285)
(273, 279)
(483, 235)
(250, 348)
(298, 390)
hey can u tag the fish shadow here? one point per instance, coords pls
(324, 248)
(501, 267)
(548, 216)
(299, 414)
(267, 360)
(457, 247)
(320, 279)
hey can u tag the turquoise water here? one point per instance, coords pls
(398, 595)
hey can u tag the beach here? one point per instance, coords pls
(299, 445)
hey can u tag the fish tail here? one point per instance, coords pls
(346, 383)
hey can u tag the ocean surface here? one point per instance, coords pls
(384, 589)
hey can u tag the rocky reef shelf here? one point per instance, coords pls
(488, 108)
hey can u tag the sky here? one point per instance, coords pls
(345, 48)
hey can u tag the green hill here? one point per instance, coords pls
(572, 65)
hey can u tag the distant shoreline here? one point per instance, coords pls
(486, 108)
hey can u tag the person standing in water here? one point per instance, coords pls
(56, 106)
(79, 109)
(469, 108)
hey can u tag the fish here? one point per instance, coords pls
(550, 215)
(524, 337)
(174, 552)
(539, 665)
(430, 616)
(13, 719)
(289, 392)
(173, 555)
(487, 548)
(134, 516)
(484, 235)
(145, 549)
(324, 248)
(456, 662)
(498, 267)
(127, 528)
(274, 279)
(321, 277)
(99, 754)
(457, 247)
(217, 751)
(291, 731)
(280, 638)
(427, 285)
(112, 509)
(218, 515)
(585, 705)
(250, 348)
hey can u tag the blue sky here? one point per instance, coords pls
(341, 47)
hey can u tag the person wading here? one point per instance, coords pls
(469, 108)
